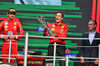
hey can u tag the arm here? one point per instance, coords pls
(1, 28)
(82, 50)
(45, 32)
(20, 30)
(1, 32)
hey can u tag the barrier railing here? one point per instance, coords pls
(54, 57)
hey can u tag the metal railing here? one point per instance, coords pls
(54, 56)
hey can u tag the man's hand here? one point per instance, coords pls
(5, 37)
(96, 61)
(11, 37)
(54, 35)
(82, 60)
(44, 27)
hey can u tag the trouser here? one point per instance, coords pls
(5, 51)
(60, 50)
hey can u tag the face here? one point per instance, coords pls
(11, 16)
(58, 18)
(91, 26)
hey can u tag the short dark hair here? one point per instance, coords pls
(94, 21)
(61, 13)
(12, 11)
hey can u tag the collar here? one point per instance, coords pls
(93, 32)
(10, 20)
(60, 24)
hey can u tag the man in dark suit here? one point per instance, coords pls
(90, 51)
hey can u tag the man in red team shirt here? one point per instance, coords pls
(10, 30)
(59, 29)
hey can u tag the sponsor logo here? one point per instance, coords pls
(73, 56)
(6, 26)
(61, 29)
(14, 23)
(62, 26)
(40, 28)
(53, 25)
(14, 27)
(5, 29)
(6, 23)
(52, 29)
(67, 50)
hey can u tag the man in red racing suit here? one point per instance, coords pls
(10, 30)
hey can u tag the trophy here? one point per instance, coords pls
(41, 19)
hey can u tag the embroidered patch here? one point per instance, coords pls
(6, 23)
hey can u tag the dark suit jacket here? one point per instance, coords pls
(89, 51)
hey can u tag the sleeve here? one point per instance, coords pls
(20, 31)
(45, 33)
(82, 48)
(1, 29)
(64, 32)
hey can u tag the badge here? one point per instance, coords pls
(5, 26)
(61, 29)
(53, 25)
(40, 28)
(62, 26)
(5, 29)
(52, 29)
(10, 33)
(14, 27)
(6, 23)
(14, 23)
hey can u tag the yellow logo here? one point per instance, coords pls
(6, 26)
(62, 26)
(14, 23)
(52, 29)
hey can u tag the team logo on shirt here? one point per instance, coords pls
(53, 25)
(14, 23)
(5, 26)
(61, 29)
(6, 23)
(52, 29)
(14, 27)
(62, 26)
(6, 29)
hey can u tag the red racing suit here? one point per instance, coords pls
(60, 30)
(10, 27)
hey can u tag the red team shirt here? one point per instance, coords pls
(60, 30)
(11, 27)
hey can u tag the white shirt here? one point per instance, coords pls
(91, 36)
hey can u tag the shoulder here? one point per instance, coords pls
(98, 34)
(65, 25)
(85, 34)
(3, 22)
(17, 22)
